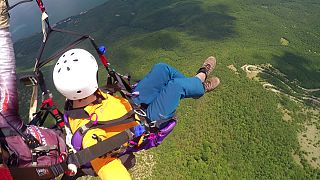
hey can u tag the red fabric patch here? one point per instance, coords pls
(4, 105)
(5, 174)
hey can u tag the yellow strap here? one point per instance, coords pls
(141, 139)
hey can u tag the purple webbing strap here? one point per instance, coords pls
(66, 119)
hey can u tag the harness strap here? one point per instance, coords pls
(157, 124)
(38, 173)
(86, 155)
(6, 132)
(41, 6)
(127, 118)
(11, 7)
(124, 88)
(77, 137)
(70, 46)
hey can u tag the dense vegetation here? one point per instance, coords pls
(236, 132)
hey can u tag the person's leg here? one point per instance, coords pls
(105, 167)
(113, 170)
(151, 85)
(166, 103)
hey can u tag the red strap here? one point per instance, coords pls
(47, 101)
(104, 60)
(40, 4)
(61, 124)
(55, 111)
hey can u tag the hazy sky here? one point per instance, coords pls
(26, 18)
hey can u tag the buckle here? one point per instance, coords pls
(140, 112)
(45, 148)
(153, 124)
(83, 129)
(29, 80)
(46, 95)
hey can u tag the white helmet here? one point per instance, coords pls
(75, 74)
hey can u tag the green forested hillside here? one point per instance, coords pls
(241, 130)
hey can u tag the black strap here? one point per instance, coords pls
(6, 132)
(203, 70)
(158, 123)
(54, 56)
(11, 7)
(88, 154)
(124, 88)
(38, 173)
(40, 116)
(128, 160)
(127, 118)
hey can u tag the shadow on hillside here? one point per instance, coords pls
(116, 20)
(189, 17)
(160, 40)
(299, 68)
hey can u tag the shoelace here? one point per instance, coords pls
(207, 85)
(210, 85)
(207, 67)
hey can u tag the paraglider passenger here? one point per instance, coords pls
(75, 77)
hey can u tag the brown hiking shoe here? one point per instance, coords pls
(211, 84)
(208, 66)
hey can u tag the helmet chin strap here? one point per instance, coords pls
(84, 102)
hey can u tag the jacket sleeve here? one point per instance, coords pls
(8, 89)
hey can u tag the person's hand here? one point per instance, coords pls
(4, 15)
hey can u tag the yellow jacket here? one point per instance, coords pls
(110, 107)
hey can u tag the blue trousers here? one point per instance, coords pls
(163, 88)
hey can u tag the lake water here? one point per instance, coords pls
(26, 18)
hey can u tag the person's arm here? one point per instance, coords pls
(8, 90)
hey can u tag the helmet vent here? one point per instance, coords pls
(72, 54)
(59, 70)
(57, 63)
(64, 55)
(64, 61)
(79, 92)
(75, 60)
(68, 68)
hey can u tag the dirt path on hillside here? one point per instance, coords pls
(253, 70)
(309, 138)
